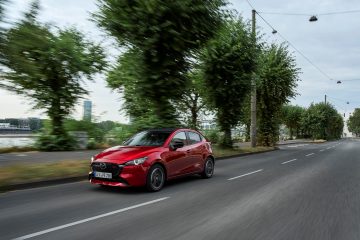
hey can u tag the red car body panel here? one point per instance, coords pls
(189, 159)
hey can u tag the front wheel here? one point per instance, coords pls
(209, 167)
(155, 178)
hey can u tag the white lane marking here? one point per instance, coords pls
(328, 147)
(308, 155)
(322, 150)
(21, 155)
(289, 161)
(246, 174)
(88, 219)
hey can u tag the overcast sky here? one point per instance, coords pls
(331, 43)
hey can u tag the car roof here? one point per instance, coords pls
(162, 129)
(168, 129)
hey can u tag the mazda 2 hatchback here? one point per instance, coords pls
(152, 157)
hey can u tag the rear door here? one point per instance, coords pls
(196, 149)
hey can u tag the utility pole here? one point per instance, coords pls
(253, 89)
(325, 98)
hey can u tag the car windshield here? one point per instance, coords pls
(148, 138)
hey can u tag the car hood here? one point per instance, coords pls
(122, 154)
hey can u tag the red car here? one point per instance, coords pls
(151, 157)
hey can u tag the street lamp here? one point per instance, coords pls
(313, 18)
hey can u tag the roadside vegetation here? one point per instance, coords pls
(183, 61)
(354, 122)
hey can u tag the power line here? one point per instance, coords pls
(296, 49)
(343, 101)
(311, 14)
(341, 12)
(289, 14)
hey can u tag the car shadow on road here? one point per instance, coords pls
(182, 182)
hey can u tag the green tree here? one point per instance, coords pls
(124, 77)
(48, 66)
(354, 122)
(227, 64)
(164, 34)
(277, 81)
(292, 116)
(2, 10)
(322, 121)
(92, 129)
(191, 106)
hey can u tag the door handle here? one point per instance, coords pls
(187, 151)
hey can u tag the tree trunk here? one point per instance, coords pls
(57, 118)
(247, 133)
(194, 118)
(227, 141)
(291, 133)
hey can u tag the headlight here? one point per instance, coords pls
(136, 162)
(92, 158)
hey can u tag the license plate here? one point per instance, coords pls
(103, 175)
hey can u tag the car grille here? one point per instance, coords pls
(112, 168)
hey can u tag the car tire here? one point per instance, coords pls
(155, 179)
(209, 167)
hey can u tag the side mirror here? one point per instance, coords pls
(175, 145)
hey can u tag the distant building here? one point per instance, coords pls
(5, 125)
(87, 110)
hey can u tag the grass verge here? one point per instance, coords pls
(17, 149)
(224, 152)
(17, 174)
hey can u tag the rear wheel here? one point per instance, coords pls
(208, 168)
(155, 178)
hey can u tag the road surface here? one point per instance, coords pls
(301, 192)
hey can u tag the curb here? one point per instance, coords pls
(58, 181)
(45, 183)
(284, 144)
(245, 154)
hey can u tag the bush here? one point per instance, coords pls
(91, 144)
(47, 142)
(214, 136)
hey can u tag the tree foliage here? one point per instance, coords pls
(354, 122)
(2, 10)
(277, 81)
(292, 117)
(322, 121)
(48, 66)
(124, 77)
(227, 63)
(164, 33)
(191, 106)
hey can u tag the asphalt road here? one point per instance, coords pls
(303, 192)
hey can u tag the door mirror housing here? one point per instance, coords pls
(176, 144)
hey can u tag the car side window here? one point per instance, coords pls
(181, 136)
(194, 138)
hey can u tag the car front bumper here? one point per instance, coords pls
(126, 176)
